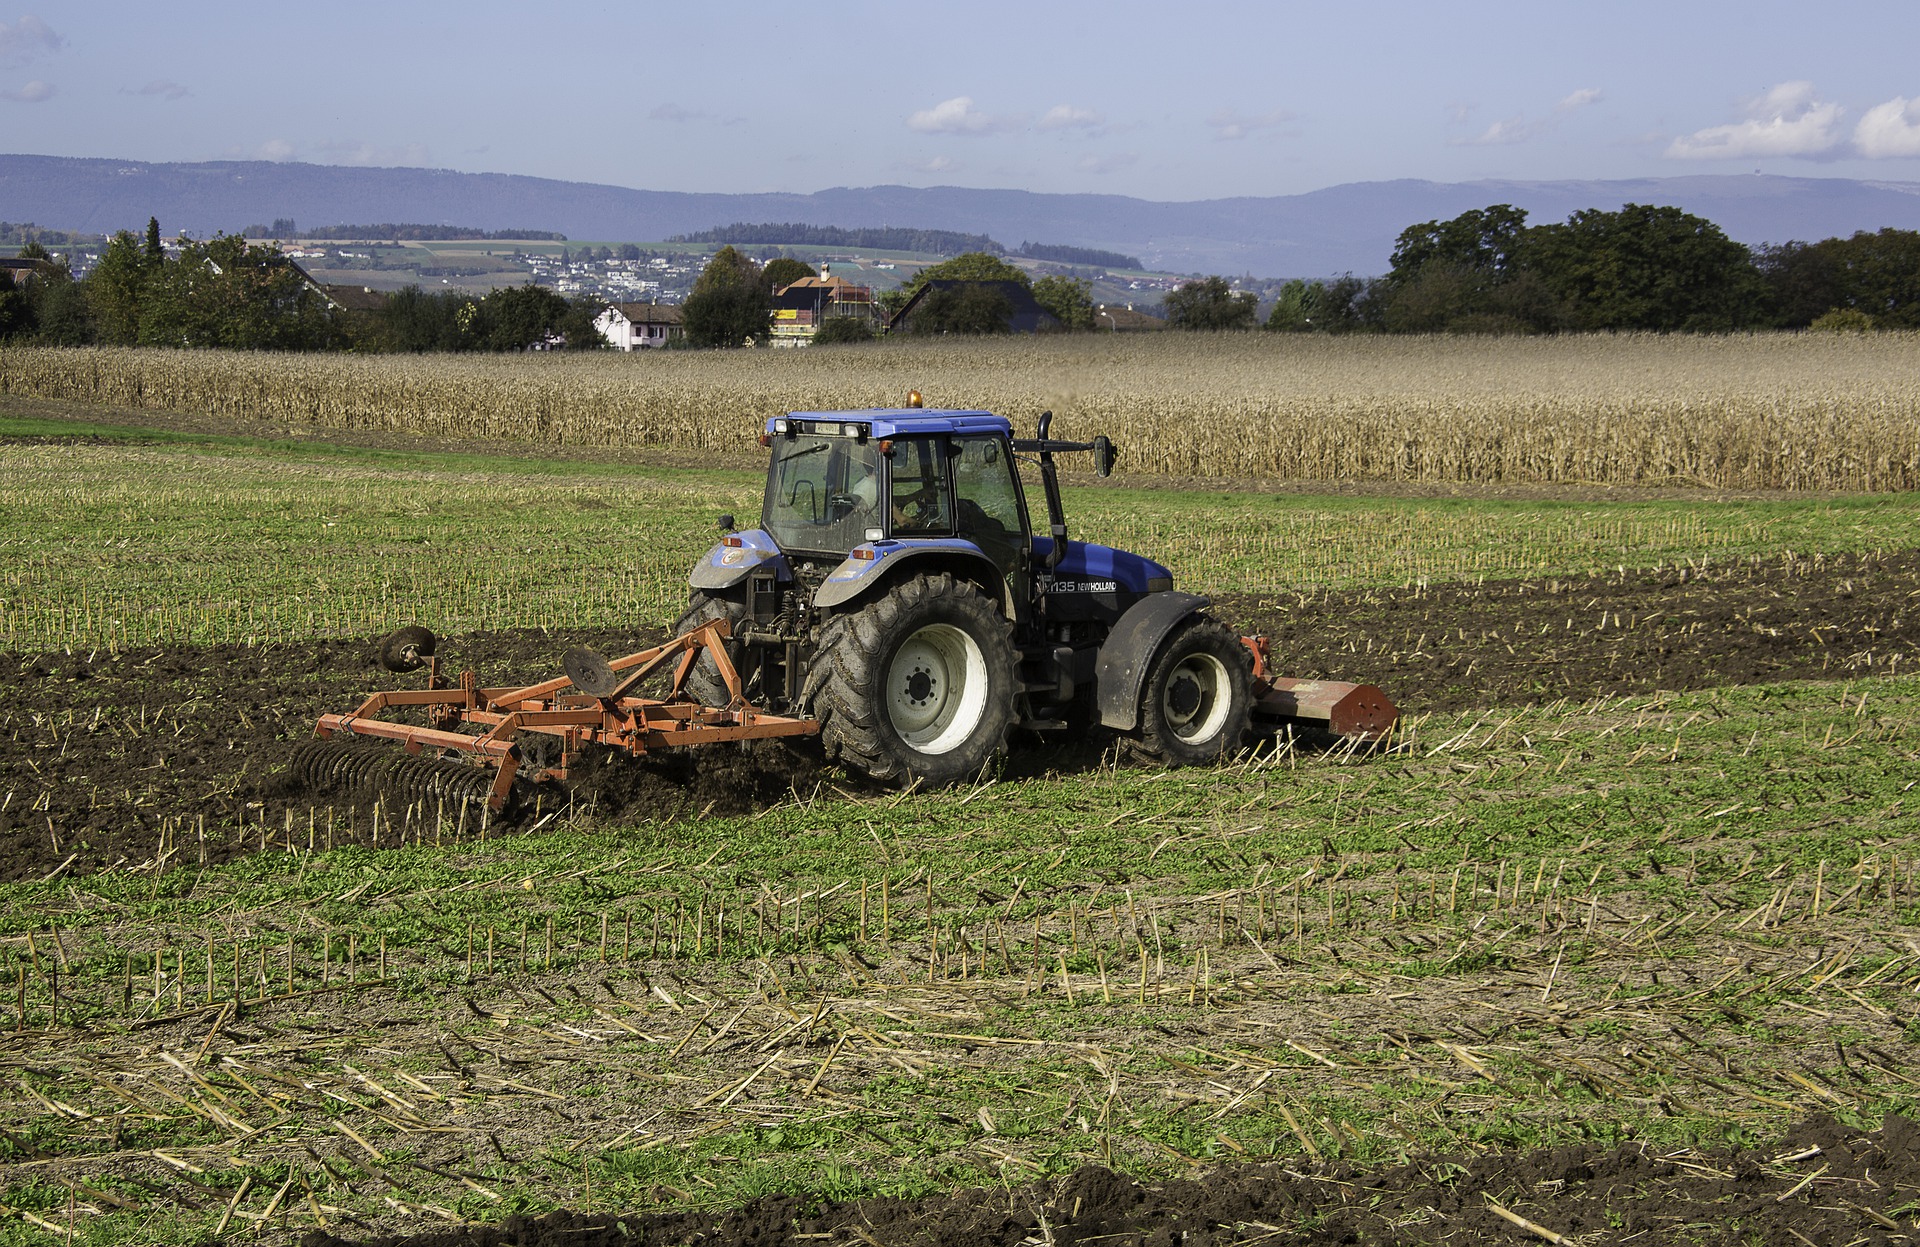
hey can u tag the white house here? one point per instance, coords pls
(637, 326)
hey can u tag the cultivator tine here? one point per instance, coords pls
(356, 770)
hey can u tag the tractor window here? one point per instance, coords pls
(822, 493)
(919, 487)
(989, 498)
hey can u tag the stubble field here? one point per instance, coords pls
(1619, 942)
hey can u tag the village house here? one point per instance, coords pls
(1024, 313)
(639, 326)
(801, 308)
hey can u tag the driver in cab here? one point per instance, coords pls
(919, 502)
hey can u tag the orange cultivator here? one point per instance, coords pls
(477, 741)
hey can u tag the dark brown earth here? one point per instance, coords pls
(1824, 1183)
(113, 759)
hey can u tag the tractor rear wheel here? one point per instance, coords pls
(1197, 703)
(918, 685)
(703, 682)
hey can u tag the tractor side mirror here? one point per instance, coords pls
(1103, 455)
(726, 523)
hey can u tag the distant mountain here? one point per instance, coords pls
(1348, 228)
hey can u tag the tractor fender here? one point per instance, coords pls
(728, 563)
(875, 563)
(1128, 652)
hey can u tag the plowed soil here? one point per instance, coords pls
(110, 754)
(105, 752)
(1591, 1195)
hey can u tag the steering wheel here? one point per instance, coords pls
(919, 506)
(839, 505)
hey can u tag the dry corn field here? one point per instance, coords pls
(1781, 411)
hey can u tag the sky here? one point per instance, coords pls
(1173, 100)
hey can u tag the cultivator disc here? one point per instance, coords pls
(357, 770)
(488, 745)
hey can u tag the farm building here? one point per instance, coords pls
(1024, 314)
(1124, 320)
(25, 270)
(639, 326)
(801, 308)
(352, 298)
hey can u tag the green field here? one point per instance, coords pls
(203, 538)
(1684, 918)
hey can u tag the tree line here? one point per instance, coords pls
(1644, 267)
(232, 294)
(1086, 257)
(888, 238)
(284, 227)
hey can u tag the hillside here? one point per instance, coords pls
(1348, 228)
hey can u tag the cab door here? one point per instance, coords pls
(989, 507)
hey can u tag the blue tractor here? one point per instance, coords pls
(897, 602)
(896, 593)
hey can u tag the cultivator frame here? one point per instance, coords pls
(601, 713)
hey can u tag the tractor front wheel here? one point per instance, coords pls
(703, 682)
(918, 685)
(1197, 704)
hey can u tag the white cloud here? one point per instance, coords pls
(275, 149)
(939, 164)
(162, 87)
(1107, 164)
(1518, 129)
(1889, 131)
(369, 155)
(32, 93)
(1232, 126)
(1069, 117)
(1512, 130)
(27, 38)
(958, 116)
(1787, 121)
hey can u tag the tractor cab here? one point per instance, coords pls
(837, 485)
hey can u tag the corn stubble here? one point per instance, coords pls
(1775, 411)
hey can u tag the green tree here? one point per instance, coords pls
(965, 308)
(57, 309)
(152, 250)
(1646, 267)
(730, 304)
(1068, 298)
(414, 320)
(228, 293)
(1466, 275)
(1482, 241)
(116, 289)
(1209, 303)
(577, 327)
(1880, 275)
(784, 271)
(839, 330)
(516, 318)
(16, 319)
(1292, 311)
(973, 266)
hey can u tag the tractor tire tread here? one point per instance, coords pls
(846, 687)
(1153, 742)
